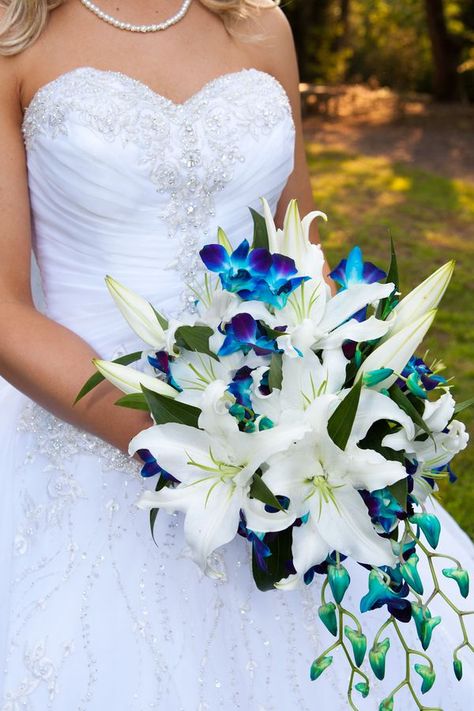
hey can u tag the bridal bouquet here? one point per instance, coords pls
(303, 422)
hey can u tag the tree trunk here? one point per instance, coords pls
(342, 39)
(307, 17)
(444, 51)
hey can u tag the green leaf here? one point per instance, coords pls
(460, 406)
(259, 490)
(400, 491)
(393, 275)
(275, 375)
(135, 401)
(387, 305)
(408, 407)
(260, 234)
(195, 338)
(165, 409)
(162, 482)
(341, 421)
(161, 319)
(97, 378)
(277, 562)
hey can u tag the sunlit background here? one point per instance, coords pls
(388, 98)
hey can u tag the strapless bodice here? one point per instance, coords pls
(126, 182)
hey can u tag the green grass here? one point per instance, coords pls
(431, 219)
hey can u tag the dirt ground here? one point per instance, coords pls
(413, 129)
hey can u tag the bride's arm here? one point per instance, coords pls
(38, 356)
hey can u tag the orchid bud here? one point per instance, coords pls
(457, 666)
(318, 666)
(430, 526)
(358, 642)
(327, 615)
(339, 580)
(377, 656)
(411, 575)
(427, 674)
(461, 576)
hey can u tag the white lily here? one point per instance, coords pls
(196, 372)
(293, 241)
(448, 437)
(323, 481)
(129, 380)
(315, 321)
(397, 350)
(215, 466)
(303, 380)
(421, 300)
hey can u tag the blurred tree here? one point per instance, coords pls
(446, 52)
(409, 45)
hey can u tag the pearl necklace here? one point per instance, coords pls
(138, 28)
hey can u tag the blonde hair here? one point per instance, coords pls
(24, 20)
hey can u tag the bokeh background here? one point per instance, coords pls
(388, 101)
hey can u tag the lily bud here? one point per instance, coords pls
(358, 642)
(395, 352)
(427, 674)
(138, 312)
(224, 240)
(293, 241)
(327, 615)
(129, 380)
(423, 299)
(318, 666)
(461, 576)
(339, 580)
(377, 656)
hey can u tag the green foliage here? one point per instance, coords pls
(385, 40)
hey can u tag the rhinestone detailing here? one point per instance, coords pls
(191, 151)
(59, 442)
(138, 28)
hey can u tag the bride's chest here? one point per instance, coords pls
(241, 118)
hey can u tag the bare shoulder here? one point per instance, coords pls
(269, 32)
(269, 39)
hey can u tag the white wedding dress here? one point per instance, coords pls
(94, 615)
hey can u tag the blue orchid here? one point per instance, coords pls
(151, 467)
(393, 595)
(162, 361)
(244, 333)
(419, 379)
(354, 270)
(384, 508)
(260, 549)
(242, 409)
(255, 275)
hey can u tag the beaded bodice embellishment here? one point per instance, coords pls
(190, 150)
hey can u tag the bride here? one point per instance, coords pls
(122, 152)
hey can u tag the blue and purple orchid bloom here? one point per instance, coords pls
(255, 275)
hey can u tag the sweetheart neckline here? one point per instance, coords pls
(177, 105)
